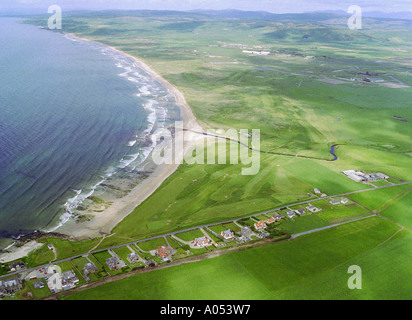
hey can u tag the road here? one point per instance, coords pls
(214, 224)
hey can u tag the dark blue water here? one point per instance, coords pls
(70, 112)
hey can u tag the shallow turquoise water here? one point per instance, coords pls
(70, 112)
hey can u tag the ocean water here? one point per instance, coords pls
(72, 114)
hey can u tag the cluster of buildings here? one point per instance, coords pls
(69, 279)
(11, 285)
(259, 53)
(361, 176)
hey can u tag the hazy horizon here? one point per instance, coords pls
(273, 6)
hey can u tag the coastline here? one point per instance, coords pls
(103, 222)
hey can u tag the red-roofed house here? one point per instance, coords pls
(201, 242)
(227, 234)
(260, 225)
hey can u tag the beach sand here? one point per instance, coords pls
(103, 222)
(14, 253)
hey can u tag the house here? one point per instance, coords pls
(270, 220)
(201, 242)
(112, 263)
(246, 232)
(133, 257)
(335, 201)
(11, 285)
(260, 225)
(316, 190)
(164, 252)
(38, 284)
(16, 266)
(227, 234)
(291, 214)
(89, 268)
(69, 279)
(278, 216)
(344, 200)
(313, 209)
(262, 235)
(300, 211)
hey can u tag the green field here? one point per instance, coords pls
(190, 235)
(152, 244)
(306, 264)
(284, 94)
(304, 223)
(303, 101)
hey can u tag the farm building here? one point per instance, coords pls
(300, 211)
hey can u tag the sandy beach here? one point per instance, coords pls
(104, 222)
(18, 252)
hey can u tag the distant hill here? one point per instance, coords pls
(407, 15)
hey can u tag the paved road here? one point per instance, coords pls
(217, 223)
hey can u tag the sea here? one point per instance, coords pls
(73, 115)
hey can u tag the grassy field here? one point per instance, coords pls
(292, 269)
(152, 244)
(303, 100)
(288, 95)
(190, 235)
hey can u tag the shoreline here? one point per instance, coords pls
(104, 222)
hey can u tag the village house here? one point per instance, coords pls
(227, 234)
(16, 266)
(11, 285)
(278, 216)
(335, 201)
(344, 200)
(112, 263)
(38, 284)
(133, 257)
(69, 279)
(246, 232)
(300, 211)
(291, 214)
(164, 252)
(260, 225)
(313, 209)
(201, 242)
(89, 268)
(270, 220)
